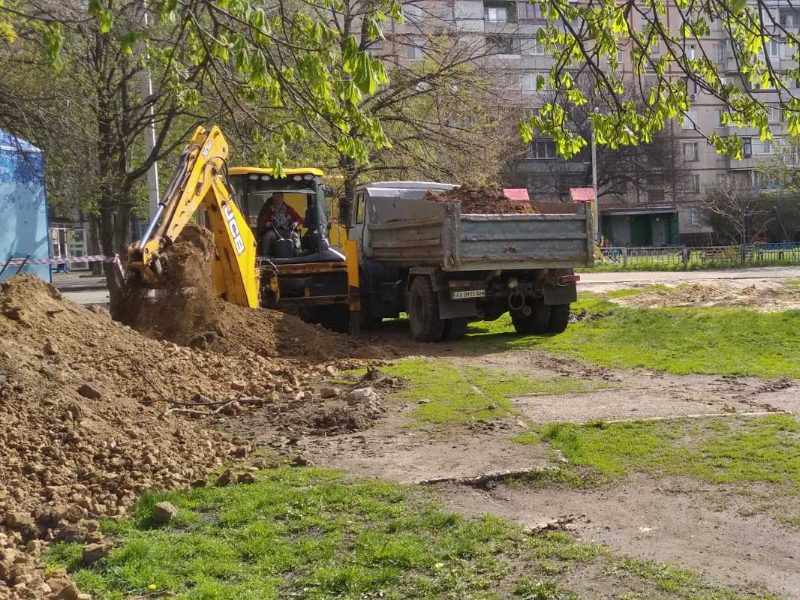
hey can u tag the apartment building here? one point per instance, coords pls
(663, 207)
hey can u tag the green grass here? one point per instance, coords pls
(717, 450)
(309, 534)
(712, 341)
(674, 262)
(453, 393)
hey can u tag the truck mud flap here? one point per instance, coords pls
(560, 294)
(453, 309)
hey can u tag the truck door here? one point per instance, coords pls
(358, 220)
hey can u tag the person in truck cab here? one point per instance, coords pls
(276, 218)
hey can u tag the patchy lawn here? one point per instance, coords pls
(453, 393)
(711, 341)
(717, 450)
(309, 534)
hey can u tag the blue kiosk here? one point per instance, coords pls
(23, 209)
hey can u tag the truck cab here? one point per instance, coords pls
(314, 281)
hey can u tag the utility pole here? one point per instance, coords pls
(594, 183)
(153, 195)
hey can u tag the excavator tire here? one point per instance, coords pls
(537, 322)
(423, 312)
(559, 318)
(455, 329)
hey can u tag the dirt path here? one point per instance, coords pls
(681, 522)
(591, 281)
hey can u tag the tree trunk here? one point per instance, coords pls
(350, 177)
(94, 243)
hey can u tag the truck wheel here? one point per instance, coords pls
(537, 322)
(559, 318)
(455, 329)
(367, 321)
(423, 312)
(336, 317)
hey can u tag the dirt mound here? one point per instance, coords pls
(766, 298)
(83, 428)
(481, 199)
(188, 312)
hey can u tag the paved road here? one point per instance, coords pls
(91, 290)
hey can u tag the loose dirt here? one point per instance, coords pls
(84, 401)
(704, 527)
(188, 312)
(481, 199)
(766, 297)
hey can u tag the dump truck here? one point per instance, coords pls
(445, 267)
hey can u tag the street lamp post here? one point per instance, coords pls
(594, 182)
(150, 128)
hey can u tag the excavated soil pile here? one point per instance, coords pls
(482, 200)
(188, 313)
(765, 298)
(83, 428)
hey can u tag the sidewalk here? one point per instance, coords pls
(79, 281)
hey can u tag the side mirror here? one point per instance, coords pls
(344, 212)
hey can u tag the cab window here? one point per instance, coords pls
(360, 208)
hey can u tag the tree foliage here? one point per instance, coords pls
(663, 41)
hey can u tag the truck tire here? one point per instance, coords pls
(423, 312)
(336, 317)
(455, 329)
(559, 318)
(537, 322)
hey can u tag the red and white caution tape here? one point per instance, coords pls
(59, 261)
(15, 262)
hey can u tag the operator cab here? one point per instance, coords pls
(303, 190)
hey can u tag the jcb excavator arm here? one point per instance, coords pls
(201, 181)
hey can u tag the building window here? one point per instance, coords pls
(689, 119)
(720, 113)
(500, 44)
(542, 149)
(690, 151)
(774, 48)
(747, 147)
(766, 147)
(695, 183)
(532, 112)
(698, 217)
(529, 81)
(528, 12)
(690, 51)
(718, 53)
(774, 114)
(531, 47)
(495, 14)
(790, 21)
(414, 51)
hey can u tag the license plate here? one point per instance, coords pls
(468, 294)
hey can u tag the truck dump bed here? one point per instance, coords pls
(439, 235)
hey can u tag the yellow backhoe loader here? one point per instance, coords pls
(314, 278)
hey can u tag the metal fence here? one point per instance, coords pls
(686, 258)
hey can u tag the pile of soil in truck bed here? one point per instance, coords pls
(482, 200)
(85, 425)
